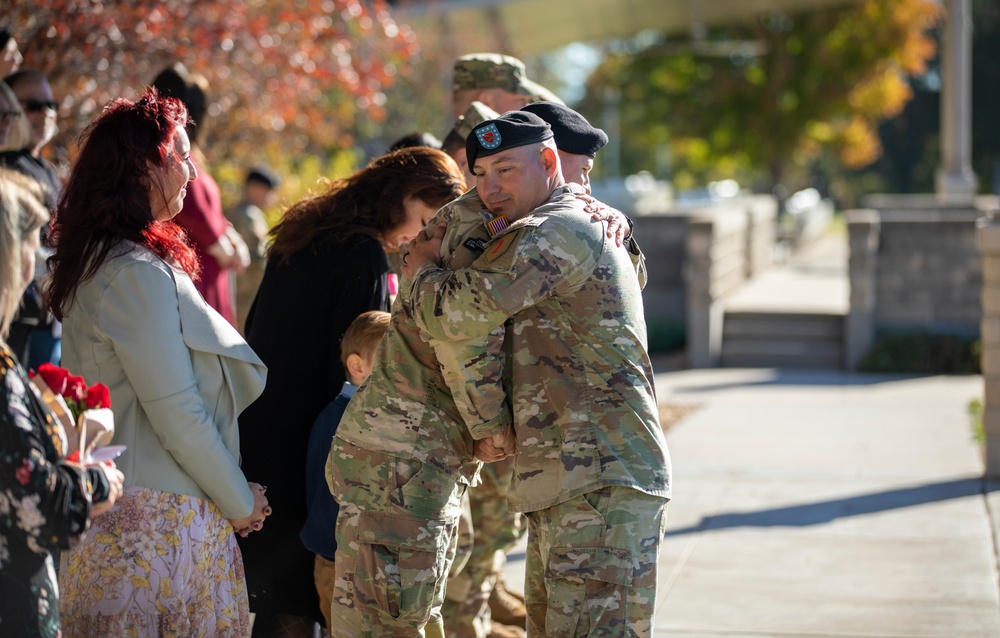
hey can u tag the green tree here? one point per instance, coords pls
(786, 88)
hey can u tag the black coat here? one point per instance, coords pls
(295, 325)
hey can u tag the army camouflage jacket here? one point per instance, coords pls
(581, 385)
(416, 403)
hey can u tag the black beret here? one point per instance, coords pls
(510, 130)
(572, 132)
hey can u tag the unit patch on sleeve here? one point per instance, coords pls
(500, 247)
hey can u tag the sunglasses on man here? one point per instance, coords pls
(36, 106)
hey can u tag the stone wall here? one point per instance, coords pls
(989, 245)
(726, 245)
(662, 238)
(697, 254)
(914, 267)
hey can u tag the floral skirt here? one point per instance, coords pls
(157, 564)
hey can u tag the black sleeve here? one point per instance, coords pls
(364, 286)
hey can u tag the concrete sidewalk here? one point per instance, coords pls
(814, 504)
(813, 280)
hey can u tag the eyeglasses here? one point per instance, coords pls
(35, 106)
(13, 115)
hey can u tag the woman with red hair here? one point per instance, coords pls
(164, 560)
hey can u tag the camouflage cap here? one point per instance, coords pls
(497, 71)
(476, 114)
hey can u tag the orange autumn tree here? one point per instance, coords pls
(811, 82)
(291, 76)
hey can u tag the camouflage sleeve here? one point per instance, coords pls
(473, 371)
(473, 368)
(517, 270)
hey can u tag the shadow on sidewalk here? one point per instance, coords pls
(760, 377)
(826, 511)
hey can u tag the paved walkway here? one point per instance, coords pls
(811, 504)
(813, 280)
(824, 504)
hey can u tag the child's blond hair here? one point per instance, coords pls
(363, 335)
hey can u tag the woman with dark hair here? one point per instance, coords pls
(46, 503)
(326, 265)
(165, 559)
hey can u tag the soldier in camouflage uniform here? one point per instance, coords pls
(496, 80)
(497, 529)
(403, 455)
(592, 469)
(399, 466)
(484, 82)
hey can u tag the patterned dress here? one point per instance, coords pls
(157, 564)
(44, 505)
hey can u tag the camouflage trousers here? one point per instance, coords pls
(465, 539)
(591, 565)
(495, 530)
(397, 532)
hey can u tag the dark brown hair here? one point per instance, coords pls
(369, 202)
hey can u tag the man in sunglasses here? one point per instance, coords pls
(34, 333)
(35, 95)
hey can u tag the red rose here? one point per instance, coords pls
(76, 388)
(54, 377)
(98, 397)
(23, 473)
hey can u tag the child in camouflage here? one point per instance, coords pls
(357, 352)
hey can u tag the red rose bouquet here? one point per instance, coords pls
(83, 412)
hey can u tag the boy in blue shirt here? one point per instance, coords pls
(357, 353)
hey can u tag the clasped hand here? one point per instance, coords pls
(497, 447)
(255, 520)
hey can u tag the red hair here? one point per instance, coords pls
(106, 201)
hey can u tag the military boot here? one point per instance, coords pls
(507, 607)
(505, 631)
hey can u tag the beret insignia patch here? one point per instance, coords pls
(489, 136)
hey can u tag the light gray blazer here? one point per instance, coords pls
(178, 373)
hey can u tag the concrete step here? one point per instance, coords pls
(790, 362)
(782, 340)
(754, 325)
